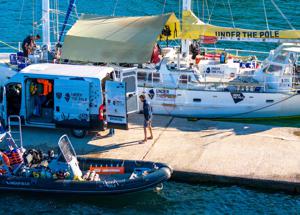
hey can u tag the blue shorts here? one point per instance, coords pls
(147, 123)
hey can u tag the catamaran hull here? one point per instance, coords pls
(210, 104)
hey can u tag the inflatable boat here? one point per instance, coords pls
(34, 171)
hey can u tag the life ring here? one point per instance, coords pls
(5, 159)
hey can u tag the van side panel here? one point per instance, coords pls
(72, 103)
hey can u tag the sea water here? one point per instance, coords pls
(16, 18)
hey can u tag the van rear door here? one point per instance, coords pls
(116, 108)
(129, 76)
(71, 103)
(3, 105)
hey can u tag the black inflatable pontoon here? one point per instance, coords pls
(70, 174)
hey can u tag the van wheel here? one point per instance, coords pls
(79, 133)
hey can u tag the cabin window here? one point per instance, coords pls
(281, 57)
(155, 77)
(273, 68)
(142, 76)
(184, 79)
(196, 100)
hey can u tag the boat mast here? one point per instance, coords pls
(46, 23)
(185, 44)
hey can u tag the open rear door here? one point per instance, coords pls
(116, 108)
(129, 76)
(71, 103)
(3, 105)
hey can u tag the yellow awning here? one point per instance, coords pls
(193, 28)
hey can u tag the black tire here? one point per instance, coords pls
(79, 133)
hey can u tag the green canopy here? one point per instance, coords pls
(114, 39)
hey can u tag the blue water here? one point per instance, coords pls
(176, 198)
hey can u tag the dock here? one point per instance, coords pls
(203, 151)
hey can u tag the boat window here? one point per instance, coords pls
(184, 79)
(155, 77)
(281, 57)
(142, 76)
(292, 58)
(273, 68)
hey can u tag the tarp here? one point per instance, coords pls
(116, 39)
(193, 28)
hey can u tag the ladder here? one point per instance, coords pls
(15, 135)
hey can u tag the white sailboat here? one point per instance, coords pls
(188, 90)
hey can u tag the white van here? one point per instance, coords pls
(68, 96)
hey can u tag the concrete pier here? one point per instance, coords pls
(201, 151)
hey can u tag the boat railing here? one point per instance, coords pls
(240, 82)
(237, 52)
(12, 47)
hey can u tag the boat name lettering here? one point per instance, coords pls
(162, 91)
(18, 183)
(214, 70)
(248, 34)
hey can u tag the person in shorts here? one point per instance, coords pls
(147, 110)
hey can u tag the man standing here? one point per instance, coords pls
(29, 43)
(147, 110)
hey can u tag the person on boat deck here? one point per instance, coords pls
(194, 48)
(147, 110)
(28, 44)
(155, 54)
(223, 57)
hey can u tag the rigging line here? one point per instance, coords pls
(231, 13)
(163, 10)
(21, 13)
(179, 9)
(57, 20)
(266, 17)
(211, 13)
(52, 17)
(33, 14)
(6, 44)
(75, 11)
(115, 6)
(198, 11)
(208, 13)
(203, 10)
(282, 14)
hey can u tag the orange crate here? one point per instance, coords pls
(108, 170)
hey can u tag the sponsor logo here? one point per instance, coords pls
(58, 95)
(237, 97)
(151, 94)
(67, 97)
